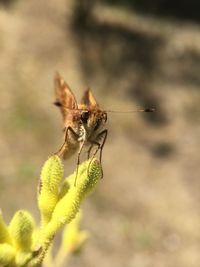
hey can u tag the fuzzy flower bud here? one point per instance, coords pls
(89, 174)
(21, 228)
(4, 234)
(51, 176)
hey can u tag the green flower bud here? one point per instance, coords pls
(4, 234)
(89, 174)
(52, 173)
(21, 228)
(7, 254)
(51, 176)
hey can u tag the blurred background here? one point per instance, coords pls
(146, 210)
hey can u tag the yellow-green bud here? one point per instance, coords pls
(89, 174)
(51, 176)
(52, 173)
(7, 254)
(4, 234)
(21, 229)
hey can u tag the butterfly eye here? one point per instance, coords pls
(84, 116)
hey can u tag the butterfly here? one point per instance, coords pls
(84, 123)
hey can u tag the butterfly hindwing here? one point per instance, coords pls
(88, 99)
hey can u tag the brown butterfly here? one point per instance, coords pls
(84, 123)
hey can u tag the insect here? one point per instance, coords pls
(84, 123)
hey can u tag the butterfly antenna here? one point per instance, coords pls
(131, 111)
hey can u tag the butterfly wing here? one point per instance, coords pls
(65, 99)
(89, 100)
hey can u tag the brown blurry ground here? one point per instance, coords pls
(146, 211)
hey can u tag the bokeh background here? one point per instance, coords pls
(146, 210)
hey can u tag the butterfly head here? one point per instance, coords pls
(93, 119)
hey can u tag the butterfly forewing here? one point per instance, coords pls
(65, 99)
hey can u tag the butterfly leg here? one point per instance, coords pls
(63, 148)
(78, 161)
(89, 151)
(101, 136)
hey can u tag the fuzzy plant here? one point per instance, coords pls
(23, 244)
